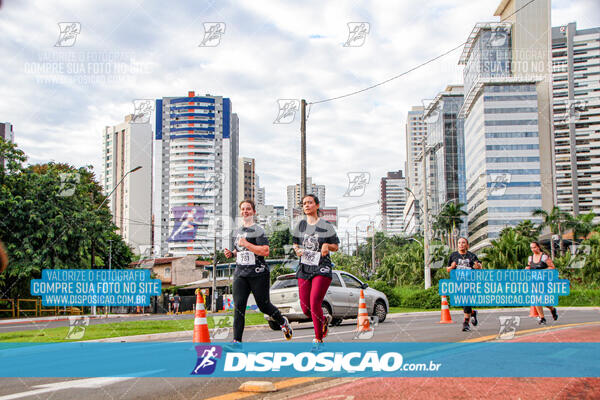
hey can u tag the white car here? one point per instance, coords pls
(341, 300)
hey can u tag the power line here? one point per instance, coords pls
(413, 68)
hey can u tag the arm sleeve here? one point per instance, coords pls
(296, 234)
(332, 237)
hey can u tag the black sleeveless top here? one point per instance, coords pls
(541, 264)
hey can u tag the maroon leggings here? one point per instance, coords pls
(312, 292)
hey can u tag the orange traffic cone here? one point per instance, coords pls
(201, 334)
(446, 318)
(533, 312)
(363, 324)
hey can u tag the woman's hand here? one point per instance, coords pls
(325, 249)
(298, 251)
(243, 242)
(228, 253)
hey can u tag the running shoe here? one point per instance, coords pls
(466, 327)
(554, 313)
(474, 318)
(287, 329)
(542, 321)
(234, 345)
(328, 319)
(316, 345)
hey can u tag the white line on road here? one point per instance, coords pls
(89, 383)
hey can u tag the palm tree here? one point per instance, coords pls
(449, 219)
(582, 225)
(528, 229)
(557, 220)
(510, 250)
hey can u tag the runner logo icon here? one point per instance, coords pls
(207, 359)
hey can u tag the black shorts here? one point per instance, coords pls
(468, 310)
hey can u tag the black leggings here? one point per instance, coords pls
(259, 287)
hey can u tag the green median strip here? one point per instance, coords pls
(117, 329)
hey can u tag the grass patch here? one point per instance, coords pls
(117, 329)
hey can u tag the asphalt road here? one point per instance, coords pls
(397, 328)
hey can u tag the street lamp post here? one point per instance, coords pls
(98, 209)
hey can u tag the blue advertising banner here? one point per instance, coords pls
(185, 359)
(503, 287)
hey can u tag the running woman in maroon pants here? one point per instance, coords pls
(313, 239)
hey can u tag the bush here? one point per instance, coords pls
(422, 298)
(392, 294)
(580, 297)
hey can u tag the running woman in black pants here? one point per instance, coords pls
(252, 273)
(540, 260)
(464, 259)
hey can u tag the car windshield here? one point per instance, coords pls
(285, 283)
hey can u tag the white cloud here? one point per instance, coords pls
(270, 50)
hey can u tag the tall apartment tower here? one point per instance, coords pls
(246, 179)
(294, 194)
(259, 195)
(196, 175)
(6, 133)
(127, 146)
(576, 101)
(445, 136)
(507, 120)
(393, 200)
(416, 131)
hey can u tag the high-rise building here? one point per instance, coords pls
(393, 200)
(6, 133)
(259, 195)
(445, 137)
(196, 174)
(506, 127)
(416, 131)
(126, 146)
(246, 179)
(294, 194)
(575, 55)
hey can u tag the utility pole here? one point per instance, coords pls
(356, 237)
(348, 242)
(425, 216)
(109, 267)
(214, 280)
(302, 148)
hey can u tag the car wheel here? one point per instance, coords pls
(327, 311)
(380, 310)
(274, 325)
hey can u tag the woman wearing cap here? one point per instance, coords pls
(540, 260)
(313, 240)
(251, 273)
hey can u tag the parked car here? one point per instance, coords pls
(341, 300)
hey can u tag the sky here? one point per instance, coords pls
(59, 98)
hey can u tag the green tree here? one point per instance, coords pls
(352, 264)
(50, 219)
(448, 220)
(528, 229)
(278, 270)
(582, 225)
(557, 220)
(278, 240)
(510, 250)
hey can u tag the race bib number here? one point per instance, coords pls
(310, 257)
(245, 258)
(463, 264)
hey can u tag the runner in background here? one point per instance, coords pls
(464, 259)
(252, 274)
(313, 238)
(540, 260)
